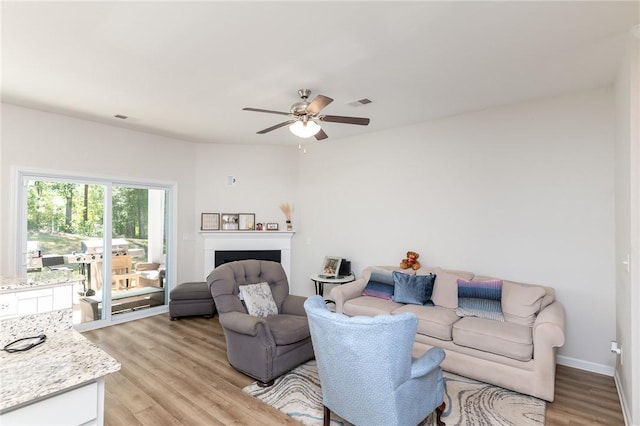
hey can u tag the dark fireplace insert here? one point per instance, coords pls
(226, 256)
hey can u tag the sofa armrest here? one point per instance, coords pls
(549, 327)
(340, 294)
(294, 305)
(242, 323)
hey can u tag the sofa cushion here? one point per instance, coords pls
(445, 289)
(522, 302)
(287, 329)
(380, 284)
(258, 299)
(481, 308)
(433, 321)
(413, 289)
(480, 299)
(503, 338)
(366, 273)
(369, 306)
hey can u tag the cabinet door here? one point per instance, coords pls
(76, 407)
(62, 297)
(27, 306)
(8, 305)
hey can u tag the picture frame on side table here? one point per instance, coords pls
(271, 226)
(210, 222)
(247, 221)
(230, 221)
(330, 267)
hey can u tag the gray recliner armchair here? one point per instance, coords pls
(260, 347)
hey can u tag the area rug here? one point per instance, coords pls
(469, 403)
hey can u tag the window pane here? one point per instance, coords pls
(138, 268)
(61, 217)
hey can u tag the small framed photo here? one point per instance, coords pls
(246, 221)
(230, 221)
(271, 226)
(210, 222)
(331, 267)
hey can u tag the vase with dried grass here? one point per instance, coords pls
(287, 209)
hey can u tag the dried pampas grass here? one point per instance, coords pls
(287, 209)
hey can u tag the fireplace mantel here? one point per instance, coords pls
(247, 240)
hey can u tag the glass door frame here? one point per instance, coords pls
(23, 175)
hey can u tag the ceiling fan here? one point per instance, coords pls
(305, 116)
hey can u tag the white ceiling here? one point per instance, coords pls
(186, 69)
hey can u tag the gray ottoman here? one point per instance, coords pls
(191, 299)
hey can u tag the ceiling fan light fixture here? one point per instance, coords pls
(305, 129)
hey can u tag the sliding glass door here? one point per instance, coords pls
(138, 261)
(65, 223)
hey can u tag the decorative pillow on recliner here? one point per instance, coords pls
(413, 289)
(480, 299)
(380, 284)
(259, 300)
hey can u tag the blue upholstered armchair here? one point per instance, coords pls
(366, 371)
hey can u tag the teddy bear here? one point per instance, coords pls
(411, 262)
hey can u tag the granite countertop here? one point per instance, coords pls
(64, 361)
(13, 283)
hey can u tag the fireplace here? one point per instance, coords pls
(247, 242)
(226, 256)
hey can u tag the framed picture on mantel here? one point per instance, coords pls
(230, 221)
(246, 221)
(210, 222)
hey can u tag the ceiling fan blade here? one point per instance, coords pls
(265, 110)
(346, 120)
(317, 104)
(277, 126)
(321, 135)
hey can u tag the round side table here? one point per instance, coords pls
(319, 281)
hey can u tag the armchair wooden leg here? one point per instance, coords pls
(326, 416)
(439, 412)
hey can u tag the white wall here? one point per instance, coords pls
(522, 192)
(627, 202)
(40, 140)
(265, 177)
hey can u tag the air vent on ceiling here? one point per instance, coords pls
(121, 117)
(360, 102)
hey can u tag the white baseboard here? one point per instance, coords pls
(601, 369)
(586, 365)
(623, 401)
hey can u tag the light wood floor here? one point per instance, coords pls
(176, 373)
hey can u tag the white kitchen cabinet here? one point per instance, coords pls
(36, 301)
(79, 406)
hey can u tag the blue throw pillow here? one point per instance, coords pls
(480, 299)
(380, 285)
(413, 289)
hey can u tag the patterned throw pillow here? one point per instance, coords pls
(380, 285)
(480, 299)
(413, 289)
(259, 300)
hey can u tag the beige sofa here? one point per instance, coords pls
(517, 353)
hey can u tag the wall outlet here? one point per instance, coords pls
(616, 350)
